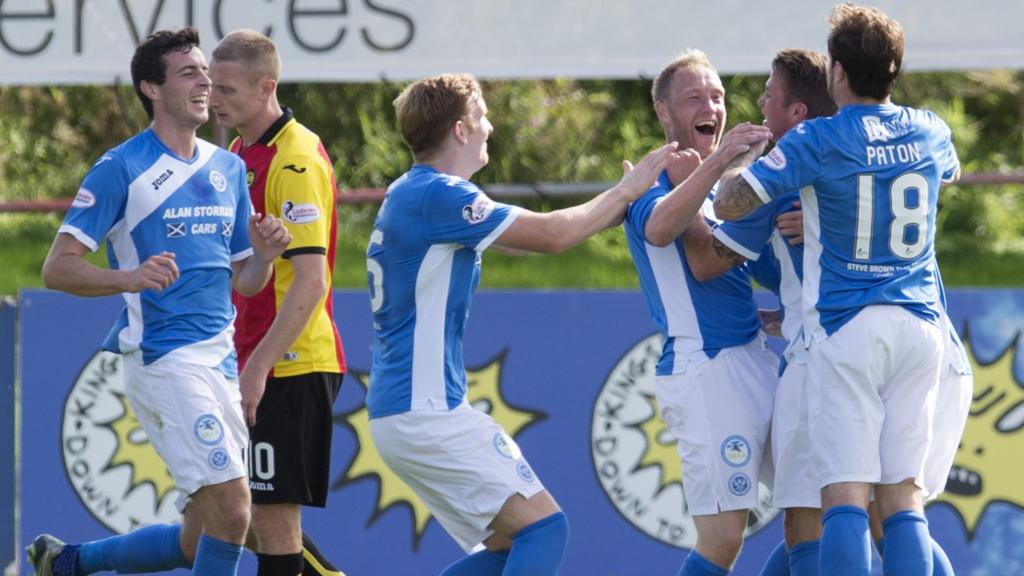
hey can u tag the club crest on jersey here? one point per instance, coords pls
(524, 472)
(107, 456)
(218, 181)
(506, 446)
(775, 159)
(736, 451)
(299, 213)
(479, 210)
(635, 458)
(875, 130)
(83, 199)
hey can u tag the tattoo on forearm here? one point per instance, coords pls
(738, 198)
(727, 254)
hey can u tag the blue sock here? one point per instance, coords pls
(150, 549)
(537, 550)
(846, 542)
(907, 544)
(482, 563)
(804, 559)
(941, 566)
(66, 563)
(216, 558)
(778, 562)
(697, 565)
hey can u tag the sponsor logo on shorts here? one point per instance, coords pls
(506, 446)
(107, 456)
(299, 213)
(208, 429)
(736, 451)
(479, 210)
(218, 181)
(523, 469)
(218, 459)
(739, 484)
(84, 199)
(635, 456)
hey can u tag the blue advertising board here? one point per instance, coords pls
(8, 333)
(568, 374)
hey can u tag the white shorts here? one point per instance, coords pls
(720, 413)
(872, 391)
(796, 480)
(460, 463)
(193, 417)
(953, 403)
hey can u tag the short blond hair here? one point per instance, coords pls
(428, 108)
(690, 59)
(253, 50)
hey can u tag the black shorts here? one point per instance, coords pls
(289, 454)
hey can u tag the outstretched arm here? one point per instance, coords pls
(560, 230)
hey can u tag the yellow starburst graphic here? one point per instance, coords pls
(986, 469)
(483, 392)
(661, 447)
(135, 451)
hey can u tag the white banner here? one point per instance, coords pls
(91, 41)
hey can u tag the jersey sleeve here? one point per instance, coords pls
(99, 203)
(749, 235)
(458, 212)
(765, 269)
(302, 195)
(946, 156)
(640, 210)
(791, 165)
(240, 243)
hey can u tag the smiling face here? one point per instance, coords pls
(184, 96)
(693, 113)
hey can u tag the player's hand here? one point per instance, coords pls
(681, 164)
(771, 322)
(791, 225)
(745, 141)
(156, 273)
(252, 382)
(268, 235)
(639, 178)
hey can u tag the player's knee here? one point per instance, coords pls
(802, 525)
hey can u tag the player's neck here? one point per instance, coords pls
(845, 97)
(252, 131)
(178, 138)
(451, 162)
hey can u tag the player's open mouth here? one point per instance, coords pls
(963, 482)
(706, 128)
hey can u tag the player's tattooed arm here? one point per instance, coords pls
(735, 197)
(727, 254)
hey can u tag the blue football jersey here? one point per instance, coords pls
(697, 319)
(423, 263)
(869, 179)
(772, 260)
(143, 200)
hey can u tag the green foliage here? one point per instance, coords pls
(545, 131)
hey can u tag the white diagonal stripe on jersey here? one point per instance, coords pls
(812, 264)
(143, 199)
(432, 287)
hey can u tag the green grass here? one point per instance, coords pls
(603, 262)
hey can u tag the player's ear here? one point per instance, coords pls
(460, 132)
(149, 90)
(661, 109)
(267, 87)
(798, 111)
